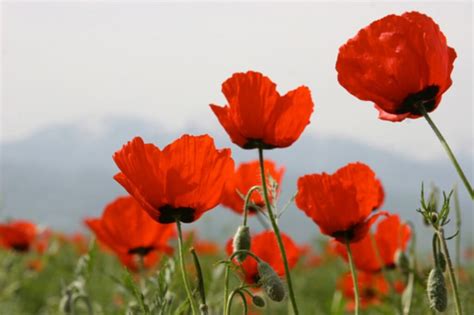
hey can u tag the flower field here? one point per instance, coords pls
(142, 255)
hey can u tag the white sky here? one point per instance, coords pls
(85, 61)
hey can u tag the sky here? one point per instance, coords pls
(83, 62)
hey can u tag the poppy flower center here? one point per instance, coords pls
(254, 207)
(20, 247)
(257, 143)
(343, 235)
(425, 97)
(141, 251)
(169, 214)
(369, 293)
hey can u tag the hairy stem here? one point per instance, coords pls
(354, 277)
(446, 147)
(183, 270)
(452, 277)
(276, 229)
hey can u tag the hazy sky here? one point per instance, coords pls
(85, 61)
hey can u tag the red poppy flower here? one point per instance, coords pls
(381, 195)
(245, 177)
(128, 230)
(265, 246)
(132, 262)
(372, 289)
(18, 235)
(257, 116)
(391, 235)
(397, 62)
(182, 181)
(340, 204)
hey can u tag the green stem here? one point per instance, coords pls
(226, 276)
(246, 203)
(183, 269)
(244, 301)
(354, 277)
(452, 277)
(457, 208)
(202, 291)
(435, 243)
(446, 147)
(226, 287)
(408, 293)
(277, 231)
(262, 220)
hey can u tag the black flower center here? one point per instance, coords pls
(141, 251)
(369, 293)
(257, 143)
(169, 214)
(343, 235)
(21, 247)
(425, 97)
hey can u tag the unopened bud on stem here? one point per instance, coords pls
(242, 241)
(436, 290)
(271, 282)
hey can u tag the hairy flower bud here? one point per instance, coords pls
(257, 300)
(241, 241)
(436, 290)
(271, 282)
(401, 261)
(203, 309)
(441, 262)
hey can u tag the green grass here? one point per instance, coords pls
(111, 289)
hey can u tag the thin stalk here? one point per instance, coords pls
(262, 220)
(247, 201)
(407, 296)
(226, 287)
(457, 208)
(354, 277)
(244, 301)
(226, 277)
(434, 244)
(183, 269)
(276, 229)
(383, 270)
(202, 291)
(452, 277)
(446, 147)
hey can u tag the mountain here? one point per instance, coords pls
(63, 173)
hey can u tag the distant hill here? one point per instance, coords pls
(63, 173)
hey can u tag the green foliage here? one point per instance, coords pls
(111, 289)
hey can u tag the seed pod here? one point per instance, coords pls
(441, 262)
(241, 241)
(204, 309)
(257, 300)
(271, 282)
(401, 261)
(436, 289)
(65, 305)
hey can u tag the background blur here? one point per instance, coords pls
(79, 79)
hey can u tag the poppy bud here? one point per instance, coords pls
(436, 290)
(441, 262)
(401, 261)
(242, 242)
(203, 308)
(257, 300)
(271, 282)
(65, 305)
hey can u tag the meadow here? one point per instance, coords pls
(138, 259)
